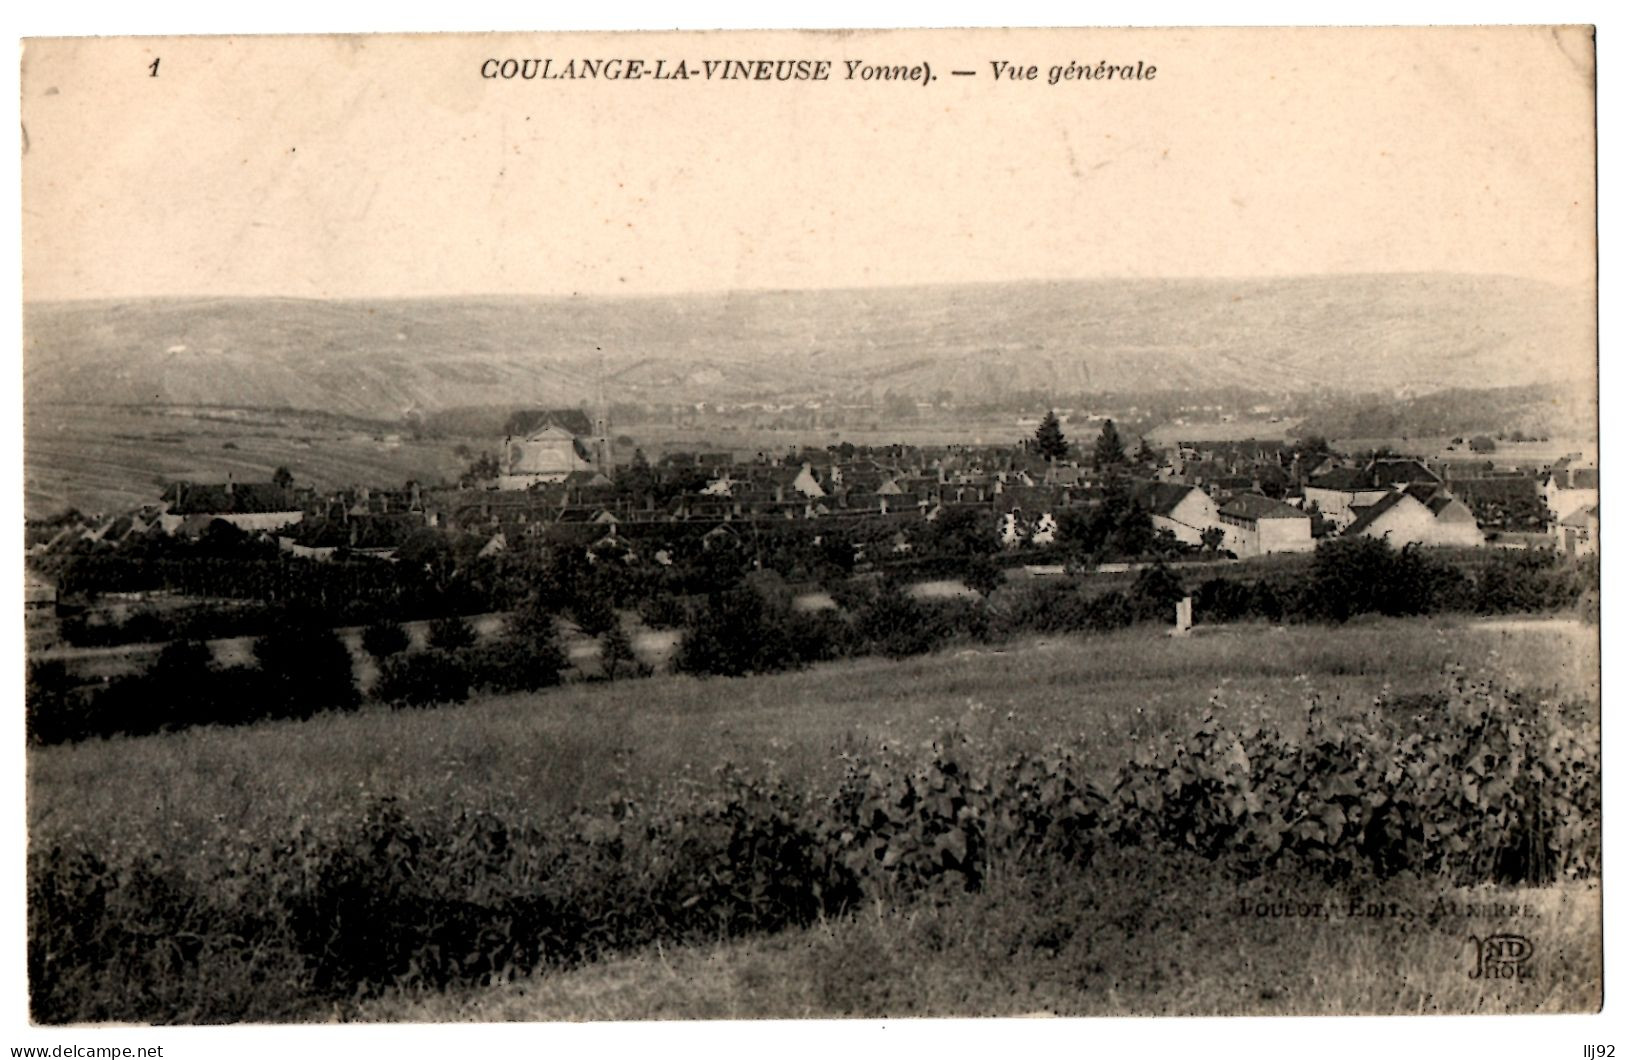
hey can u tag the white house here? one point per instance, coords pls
(1569, 488)
(1255, 526)
(1339, 492)
(1577, 532)
(1418, 516)
(806, 483)
(1184, 511)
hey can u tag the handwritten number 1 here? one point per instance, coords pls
(154, 66)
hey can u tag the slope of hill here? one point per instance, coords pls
(383, 359)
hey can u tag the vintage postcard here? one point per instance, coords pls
(810, 525)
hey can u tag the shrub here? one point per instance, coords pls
(662, 611)
(850, 594)
(1047, 607)
(983, 575)
(594, 613)
(818, 636)
(1532, 580)
(960, 531)
(305, 668)
(616, 654)
(182, 681)
(1348, 577)
(1225, 600)
(736, 633)
(451, 633)
(1062, 607)
(525, 658)
(1420, 584)
(424, 678)
(53, 712)
(383, 639)
(1476, 785)
(1155, 591)
(894, 624)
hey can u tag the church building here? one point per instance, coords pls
(548, 445)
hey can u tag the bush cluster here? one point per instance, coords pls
(298, 672)
(749, 630)
(751, 627)
(1364, 576)
(203, 622)
(1472, 785)
(526, 658)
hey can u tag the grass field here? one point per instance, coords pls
(1134, 933)
(1130, 935)
(527, 755)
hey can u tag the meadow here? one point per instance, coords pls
(1130, 935)
(1131, 931)
(531, 755)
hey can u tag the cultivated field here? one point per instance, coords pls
(532, 754)
(1238, 430)
(1506, 455)
(1136, 935)
(104, 458)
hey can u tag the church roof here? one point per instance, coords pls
(527, 420)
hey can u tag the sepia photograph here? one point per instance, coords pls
(810, 525)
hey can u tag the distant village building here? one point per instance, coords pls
(189, 508)
(1399, 472)
(1569, 487)
(1420, 515)
(1184, 511)
(1338, 492)
(1577, 532)
(1256, 526)
(806, 482)
(548, 446)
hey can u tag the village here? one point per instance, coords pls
(556, 479)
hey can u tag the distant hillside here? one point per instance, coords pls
(384, 359)
(1534, 410)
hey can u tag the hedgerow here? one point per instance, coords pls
(751, 627)
(1474, 784)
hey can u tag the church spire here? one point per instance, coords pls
(600, 427)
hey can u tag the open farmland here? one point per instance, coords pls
(532, 754)
(195, 797)
(1236, 430)
(1532, 455)
(105, 458)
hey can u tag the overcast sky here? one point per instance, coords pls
(380, 167)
